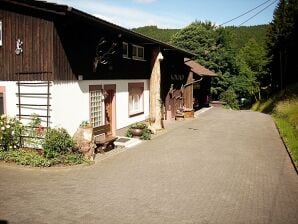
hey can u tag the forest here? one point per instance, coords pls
(252, 61)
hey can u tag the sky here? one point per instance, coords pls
(173, 13)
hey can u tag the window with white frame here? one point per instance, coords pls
(138, 52)
(125, 50)
(96, 101)
(135, 98)
(1, 33)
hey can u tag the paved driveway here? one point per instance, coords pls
(224, 167)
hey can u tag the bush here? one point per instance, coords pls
(230, 97)
(33, 158)
(35, 133)
(146, 132)
(25, 157)
(10, 133)
(57, 142)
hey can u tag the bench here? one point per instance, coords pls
(102, 138)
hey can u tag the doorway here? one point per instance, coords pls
(110, 107)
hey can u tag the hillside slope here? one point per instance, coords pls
(283, 107)
(240, 35)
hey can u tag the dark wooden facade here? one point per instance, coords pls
(37, 55)
(59, 43)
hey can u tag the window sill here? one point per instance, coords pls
(136, 114)
(138, 59)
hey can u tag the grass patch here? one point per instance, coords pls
(35, 159)
(290, 136)
(283, 107)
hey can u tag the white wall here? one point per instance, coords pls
(70, 102)
(11, 100)
(11, 97)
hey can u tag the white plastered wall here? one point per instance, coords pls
(70, 102)
(10, 97)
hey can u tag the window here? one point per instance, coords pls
(125, 49)
(96, 101)
(135, 98)
(2, 100)
(137, 52)
(1, 104)
(1, 33)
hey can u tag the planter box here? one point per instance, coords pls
(188, 114)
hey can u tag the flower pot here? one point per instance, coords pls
(137, 131)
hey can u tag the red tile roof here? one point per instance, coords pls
(195, 67)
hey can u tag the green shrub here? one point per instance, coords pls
(10, 132)
(25, 157)
(57, 142)
(230, 97)
(35, 133)
(72, 158)
(33, 158)
(146, 133)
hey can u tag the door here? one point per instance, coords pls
(110, 107)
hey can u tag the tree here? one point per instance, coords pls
(213, 47)
(251, 62)
(282, 44)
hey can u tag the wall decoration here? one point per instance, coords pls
(19, 48)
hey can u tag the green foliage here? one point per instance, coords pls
(283, 106)
(35, 132)
(211, 44)
(57, 141)
(10, 132)
(141, 125)
(236, 54)
(213, 47)
(229, 96)
(163, 35)
(71, 158)
(35, 159)
(146, 132)
(85, 124)
(282, 44)
(25, 157)
(241, 35)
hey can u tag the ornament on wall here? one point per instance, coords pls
(19, 48)
(104, 51)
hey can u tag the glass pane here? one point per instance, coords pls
(1, 104)
(141, 52)
(96, 103)
(134, 51)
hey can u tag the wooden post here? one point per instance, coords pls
(155, 117)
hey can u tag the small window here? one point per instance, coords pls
(0, 33)
(1, 104)
(137, 52)
(135, 100)
(125, 49)
(96, 99)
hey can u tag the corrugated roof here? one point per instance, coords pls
(198, 69)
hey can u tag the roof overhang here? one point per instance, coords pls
(64, 10)
(198, 69)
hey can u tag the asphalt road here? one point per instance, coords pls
(224, 167)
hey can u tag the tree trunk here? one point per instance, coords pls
(155, 117)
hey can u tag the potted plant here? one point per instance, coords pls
(139, 130)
